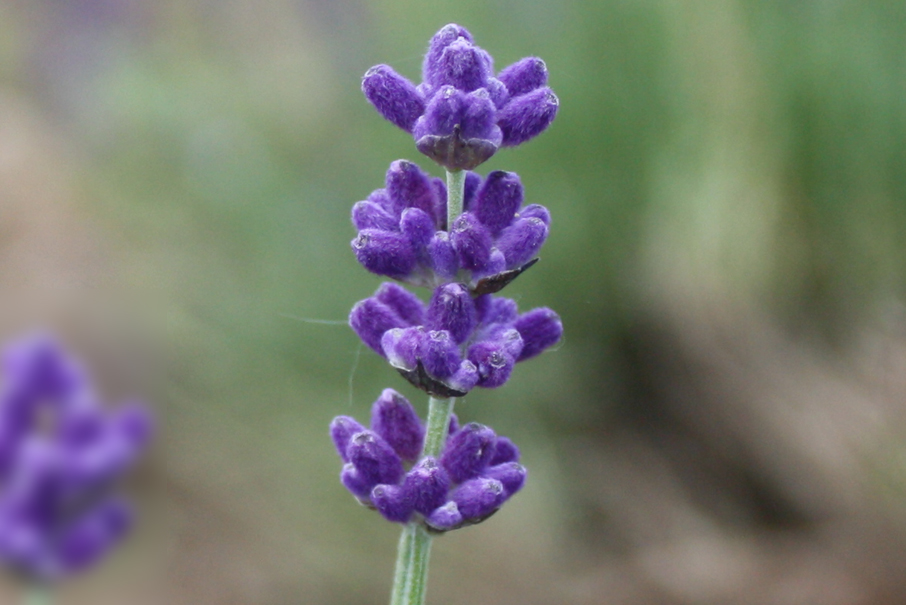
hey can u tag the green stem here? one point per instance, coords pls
(410, 580)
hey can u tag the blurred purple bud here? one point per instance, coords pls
(505, 451)
(89, 538)
(493, 362)
(384, 252)
(498, 200)
(521, 241)
(471, 241)
(451, 309)
(444, 260)
(524, 76)
(374, 459)
(540, 328)
(405, 304)
(395, 420)
(510, 474)
(445, 518)
(342, 428)
(426, 485)
(527, 116)
(468, 452)
(395, 97)
(370, 215)
(392, 502)
(370, 319)
(478, 498)
(440, 355)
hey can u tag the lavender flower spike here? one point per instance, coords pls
(476, 473)
(58, 511)
(460, 114)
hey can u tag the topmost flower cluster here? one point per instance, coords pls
(461, 114)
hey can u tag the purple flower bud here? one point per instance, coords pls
(409, 187)
(496, 264)
(444, 260)
(536, 211)
(384, 252)
(451, 309)
(440, 355)
(461, 64)
(445, 518)
(402, 346)
(440, 41)
(356, 483)
(479, 118)
(510, 474)
(521, 241)
(493, 362)
(134, 423)
(426, 486)
(540, 328)
(442, 115)
(465, 378)
(370, 215)
(468, 452)
(89, 538)
(370, 319)
(478, 498)
(527, 116)
(495, 310)
(395, 420)
(395, 97)
(505, 451)
(471, 241)
(374, 459)
(498, 200)
(342, 428)
(392, 502)
(498, 92)
(470, 187)
(405, 304)
(524, 76)
(418, 227)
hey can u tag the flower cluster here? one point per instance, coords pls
(403, 231)
(461, 114)
(60, 455)
(475, 474)
(455, 342)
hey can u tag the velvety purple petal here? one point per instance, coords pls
(524, 76)
(445, 517)
(402, 346)
(510, 474)
(471, 241)
(410, 187)
(478, 498)
(540, 328)
(426, 485)
(374, 459)
(405, 304)
(521, 241)
(536, 211)
(395, 420)
(493, 362)
(498, 200)
(473, 182)
(444, 260)
(418, 226)
(441, 40)
(342, 428)
(451, 309)
(440, 354)
(527, 116)
(395, 97)
(468, 452)
(504, 451)
(392, 502)
(370, 318)
(479, 118)
(369, 215)
(384, 253)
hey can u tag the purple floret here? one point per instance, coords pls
(59, 513)
(460, 114)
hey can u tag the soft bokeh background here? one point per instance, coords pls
(725, 421)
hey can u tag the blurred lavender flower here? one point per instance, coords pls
(455, 342)
(475, 474)
(61, 454)
(403, 232)
(461, 114)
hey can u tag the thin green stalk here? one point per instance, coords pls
(410, 580)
